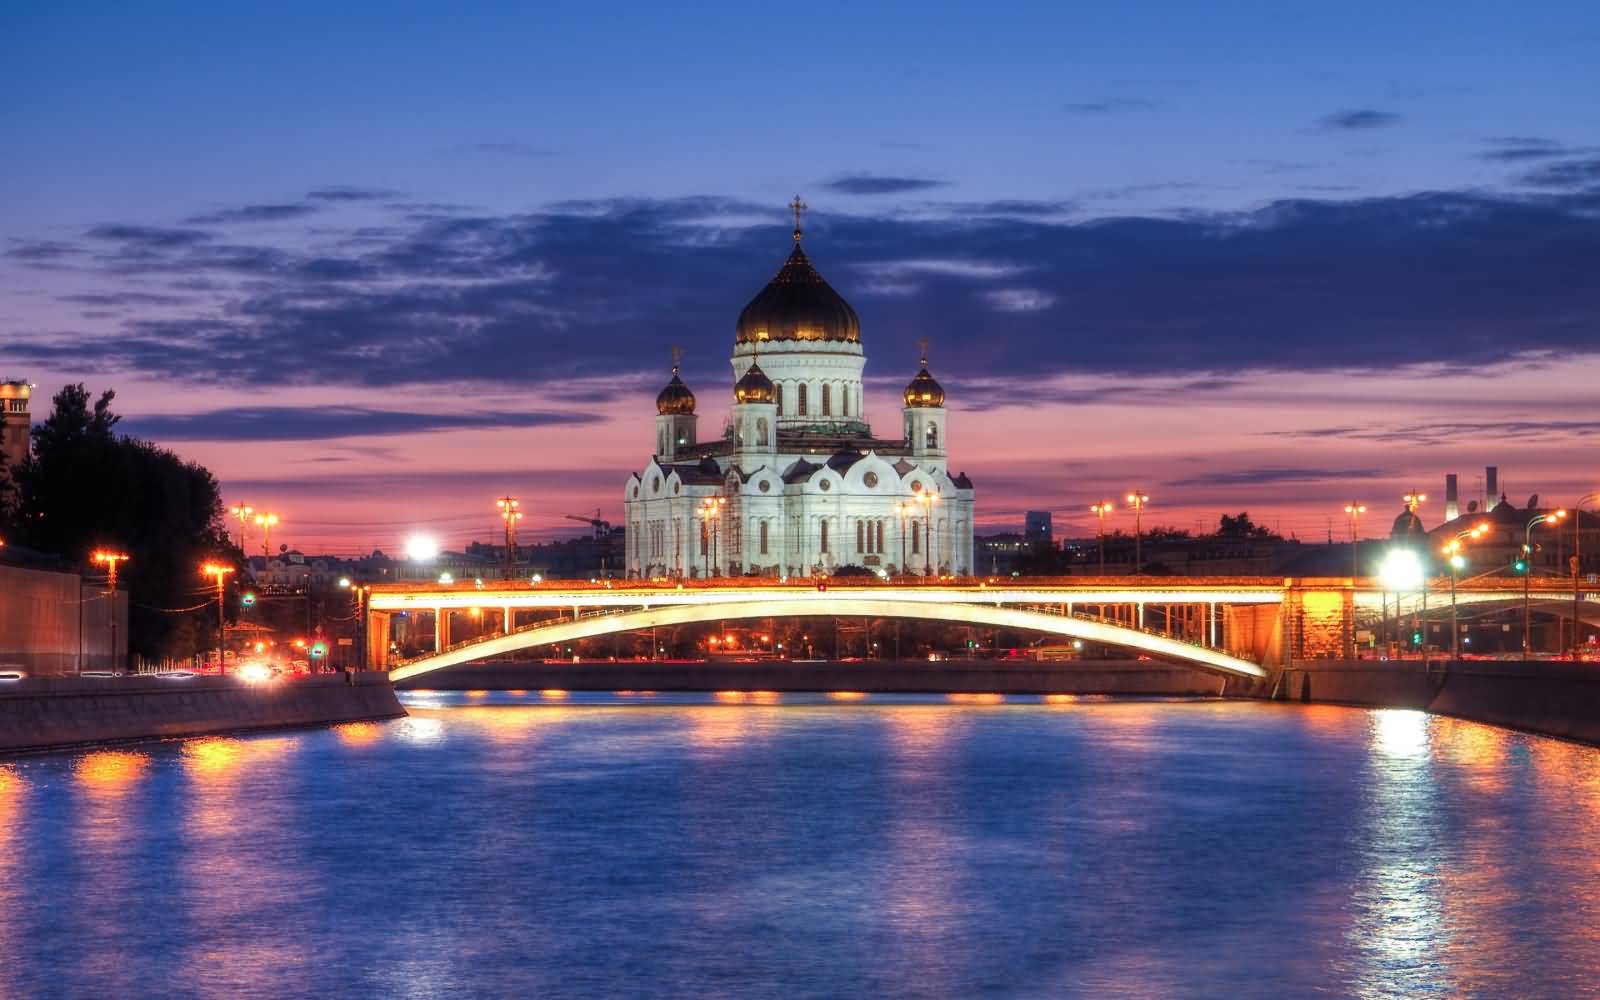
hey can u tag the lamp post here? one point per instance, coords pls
(1354, 511)
(927, 498)
(266, 522)
(110, 560)
(221, 573)
(242, 512)
(1527, 573)
(710, 512)
(1401, 571)
(905, 509)
(1137, 500)
(1577, 565)
(1452, 552)
(510, 513)
(1100, 511)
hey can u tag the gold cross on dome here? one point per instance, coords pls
(677, 356)
(797, 206)
(922, 344)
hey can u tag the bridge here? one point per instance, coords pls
(1245, 627)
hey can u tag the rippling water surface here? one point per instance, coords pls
(535, 845)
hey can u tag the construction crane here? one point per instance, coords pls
(601, 527)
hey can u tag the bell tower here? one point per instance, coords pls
(675, 417)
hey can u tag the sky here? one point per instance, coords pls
(376, 266)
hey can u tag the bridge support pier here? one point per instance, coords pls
(441, 629)
(377, 644)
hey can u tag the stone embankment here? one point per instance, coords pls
(1552, 698)
(47, 712)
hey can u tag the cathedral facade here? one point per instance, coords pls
(796, 484)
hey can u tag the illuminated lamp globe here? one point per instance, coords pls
(1401, 571)
(421, 548)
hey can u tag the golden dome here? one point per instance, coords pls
(798, 305)
(754, 387)
(675, 397)
(923, 390)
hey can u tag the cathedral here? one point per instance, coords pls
(796, 484)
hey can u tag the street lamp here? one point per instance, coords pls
(905, 509)
(710, 511)
(1355, 510)
(927, 498)
(1452, 552)
(110, 560)
(1577, 565)
(422, 548)
(266, 522)
(1100, 510)
(242, 512)
(1527, 572)
(1137, 500)
(1400, 572)
(510, 513)
(221, 573)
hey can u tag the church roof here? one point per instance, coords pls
(961, 481)
(798, 304)
(705, 472)
(800, 471)
(902, 467)
(842, 460)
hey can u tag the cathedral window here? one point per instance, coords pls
(800, 400)
(879, 538)
(824, 546)
(777, 397)
(916, 537)
(933, 435)
(763, 538)
(705, 539)
(761, 432)
(827, 400)
(861, 531)
(844, 402)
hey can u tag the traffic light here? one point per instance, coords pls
(248, 598)
(319, 650)
(1416, 638)
(1519, 565)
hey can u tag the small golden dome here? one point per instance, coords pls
(754, 387)
(675, 398)
(923, 390)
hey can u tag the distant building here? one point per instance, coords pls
(1036, 529)
(997, 554)
(15, 422)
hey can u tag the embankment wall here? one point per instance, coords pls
(47, 712)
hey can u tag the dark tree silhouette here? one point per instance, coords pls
(85, 487)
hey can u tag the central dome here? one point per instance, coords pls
(798, 305)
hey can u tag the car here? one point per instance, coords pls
(12, 675)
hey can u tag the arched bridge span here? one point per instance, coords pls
(777, 606)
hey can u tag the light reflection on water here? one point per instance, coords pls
(799, 846)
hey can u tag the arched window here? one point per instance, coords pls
(761, 432)
(824, 546)
(844, 402)
(933, 435)
(878, 548)
(801, 400)
(916, 537)
(763, 538)
(861, 534)
(661, 441)
(827, 400)
(777, 397)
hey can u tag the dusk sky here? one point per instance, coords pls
(377, 265)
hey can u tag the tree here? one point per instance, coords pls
(1240, 526)
(85, 487)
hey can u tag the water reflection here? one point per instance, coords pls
(815, 847)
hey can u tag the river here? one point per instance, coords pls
(556, 845)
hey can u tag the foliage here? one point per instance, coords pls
(1240, 526)
(85, 487)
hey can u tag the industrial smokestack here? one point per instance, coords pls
(1452, 499)
(1491, 486)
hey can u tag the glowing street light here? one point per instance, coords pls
(510, 513)
(1354, 511)
(221, 572)
(1452, 551)
(927, 498)
(710, 510)
(1100, 510)
(422, 548)
(110, 560)
(1527, 571)
(1137, 500)
(242, 512)
(1400, 572)
(266, 522)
